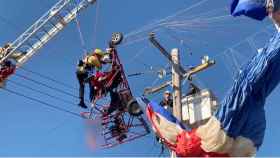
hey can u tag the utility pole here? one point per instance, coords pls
(178, 73)
(164, 52)
(176, 83)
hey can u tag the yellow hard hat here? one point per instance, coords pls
(93, 61)
(98, 52)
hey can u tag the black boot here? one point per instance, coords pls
(82, 104)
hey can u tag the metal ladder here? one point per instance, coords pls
(44, 29)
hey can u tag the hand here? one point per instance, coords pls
(109, 50)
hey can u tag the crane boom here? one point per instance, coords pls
(44, 29)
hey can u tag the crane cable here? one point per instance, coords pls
(82, 39)
(96, 24)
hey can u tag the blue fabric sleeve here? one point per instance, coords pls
(242, 111)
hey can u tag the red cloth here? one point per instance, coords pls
(99, 74)
(189, 145)
(95, 81)
(6, 72)
(150, 114)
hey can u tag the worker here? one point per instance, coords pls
(167, 101)
(97, 58)
(92, 62)
(6, 69)
(82, 75)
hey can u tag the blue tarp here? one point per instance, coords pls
(255, 9)
(242, 111)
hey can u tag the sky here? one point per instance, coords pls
(198, 28)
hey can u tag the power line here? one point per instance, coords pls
(49, 95)
(43, 103)
(45, 85)
(49, 78)
(41, 92)
(51, 87)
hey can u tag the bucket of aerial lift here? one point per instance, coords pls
(198, 107)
